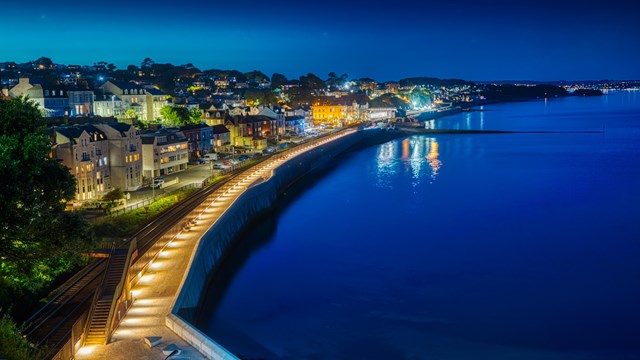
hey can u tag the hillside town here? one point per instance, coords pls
(122, 128)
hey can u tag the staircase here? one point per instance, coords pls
(100, 320)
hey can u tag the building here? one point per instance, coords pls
(301, 111)
(156, 99)
(125, 155)
(381, 114)
(338, 114)
(221, 139)
(108, 106)
(251, 131)
(145, 103)
(56, 100)
(84, 149)
(164, 151)
(216, 115)
(200, 139)
(294, 124)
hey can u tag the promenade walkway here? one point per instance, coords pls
(156, 291)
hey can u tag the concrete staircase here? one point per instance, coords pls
(99, 323)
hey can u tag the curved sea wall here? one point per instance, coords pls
(253, 202)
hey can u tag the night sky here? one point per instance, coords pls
(386, 40)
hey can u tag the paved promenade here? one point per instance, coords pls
(156, 291)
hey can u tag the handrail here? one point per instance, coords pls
(96, 297)
(53, 346)
(133, 245)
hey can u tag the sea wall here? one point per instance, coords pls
(255, 201)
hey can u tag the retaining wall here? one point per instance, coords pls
(212, 246)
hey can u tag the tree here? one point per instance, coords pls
(336, 81)
(175, 116)
(389, 100)
(277, 80)
(111, 67)
(131, 114)
(195, 115)
(419, 98)
(13, 345)
(147, 63)
(112, 196)
(312, 82)
(38, 238)
(257, 97)
(45, 62)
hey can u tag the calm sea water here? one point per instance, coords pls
(506, 246)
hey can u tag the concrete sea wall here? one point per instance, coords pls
(212, 246)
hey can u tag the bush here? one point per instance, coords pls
(13, 346)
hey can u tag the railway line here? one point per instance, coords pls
(51, 325)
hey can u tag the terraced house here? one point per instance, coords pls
(84, 149)
(125, 155)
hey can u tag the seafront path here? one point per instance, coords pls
(155, 294)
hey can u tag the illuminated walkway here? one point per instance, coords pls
(155, 293)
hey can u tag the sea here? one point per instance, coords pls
(474, 246)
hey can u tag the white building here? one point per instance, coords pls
(164, 151)
(146, 103)
(125, 155)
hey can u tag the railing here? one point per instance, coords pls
(135, 268)
(69, 349)
(62, 291)
(96, 295)
(120, 296)
(148, 201)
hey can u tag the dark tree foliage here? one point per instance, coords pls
(255, 76)
(278, 80)
(334, 80)
(44, 61)
(226, 74)
(587, 92)
(312, 82)
(349, 99)
(517, 92)
(38, 238)
(264, 97)
(429, 81)
(389, 100)
(299, 96)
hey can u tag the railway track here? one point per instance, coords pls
(52, 324)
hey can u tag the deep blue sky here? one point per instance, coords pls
(475, 40)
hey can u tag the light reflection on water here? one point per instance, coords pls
(417, 155)
(512, 246)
